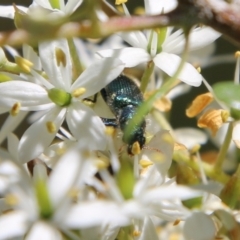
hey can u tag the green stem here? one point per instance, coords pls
(146, 76)
(223, 151)
(162, 121)
(208, 169)
(144, 109)
(77, 65)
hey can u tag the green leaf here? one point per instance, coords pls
(229, 93)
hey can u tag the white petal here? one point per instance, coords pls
(201, 37)
(43, 3)
(42, 230)
(9, 12)
(13, 143)
(157, 7)
(28, 94)
(10, 124)
(236, 134)
(160, 151)
(90, 214)
(72, 5)
(59, 76)
(149, 230)
(199, 226)
(131, 57)
(98, 75)
(36, 138)
(12, 224)
(86, 127)
(69, 166)
(179, 90)
(169, 64)
(190, 136)
(169, 193)
(135, 38)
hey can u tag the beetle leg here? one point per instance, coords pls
(110, 122)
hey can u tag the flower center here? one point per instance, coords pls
(60, 97)
(156, 39)
(55, 3)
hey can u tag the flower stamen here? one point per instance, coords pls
(51, 127)
(60, 57)
(78, 92)
(15, 109)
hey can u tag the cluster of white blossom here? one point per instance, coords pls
(69, 176)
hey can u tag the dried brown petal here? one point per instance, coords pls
(198, 104)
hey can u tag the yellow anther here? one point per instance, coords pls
(199, 69)
(195, 148)
(136, 148)
(118, 2)
(145, 163)
(198, 104)
(60, 57)
(139, 11)
(51, 127)
(176, 222)
(225, 115)
(101, 164)
(15, 109)
(237, 54)
(60, 151)
(24, 64)
(212, 119)
(73, 193)
(110, 131)
(11, 199)
(136, 233)
(78, 92)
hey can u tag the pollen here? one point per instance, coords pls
(110, 131)
(199, 69)
(136, 233)
(60, 57)
(176, 222)
(145, 163)
(118, 2)
(101, 162)
(51, 127)
(24, 64)
(198, 104)
(15, 109)
(237, 54)
(136, 148)
(212, 119)
(78, 92)
(11, 199)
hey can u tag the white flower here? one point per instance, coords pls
(152, 195)
(66, 7)
(163, 48)
(58, 97)
(38, 204)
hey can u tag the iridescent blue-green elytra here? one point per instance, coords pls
(123, 97)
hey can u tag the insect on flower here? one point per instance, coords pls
(123, 97)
